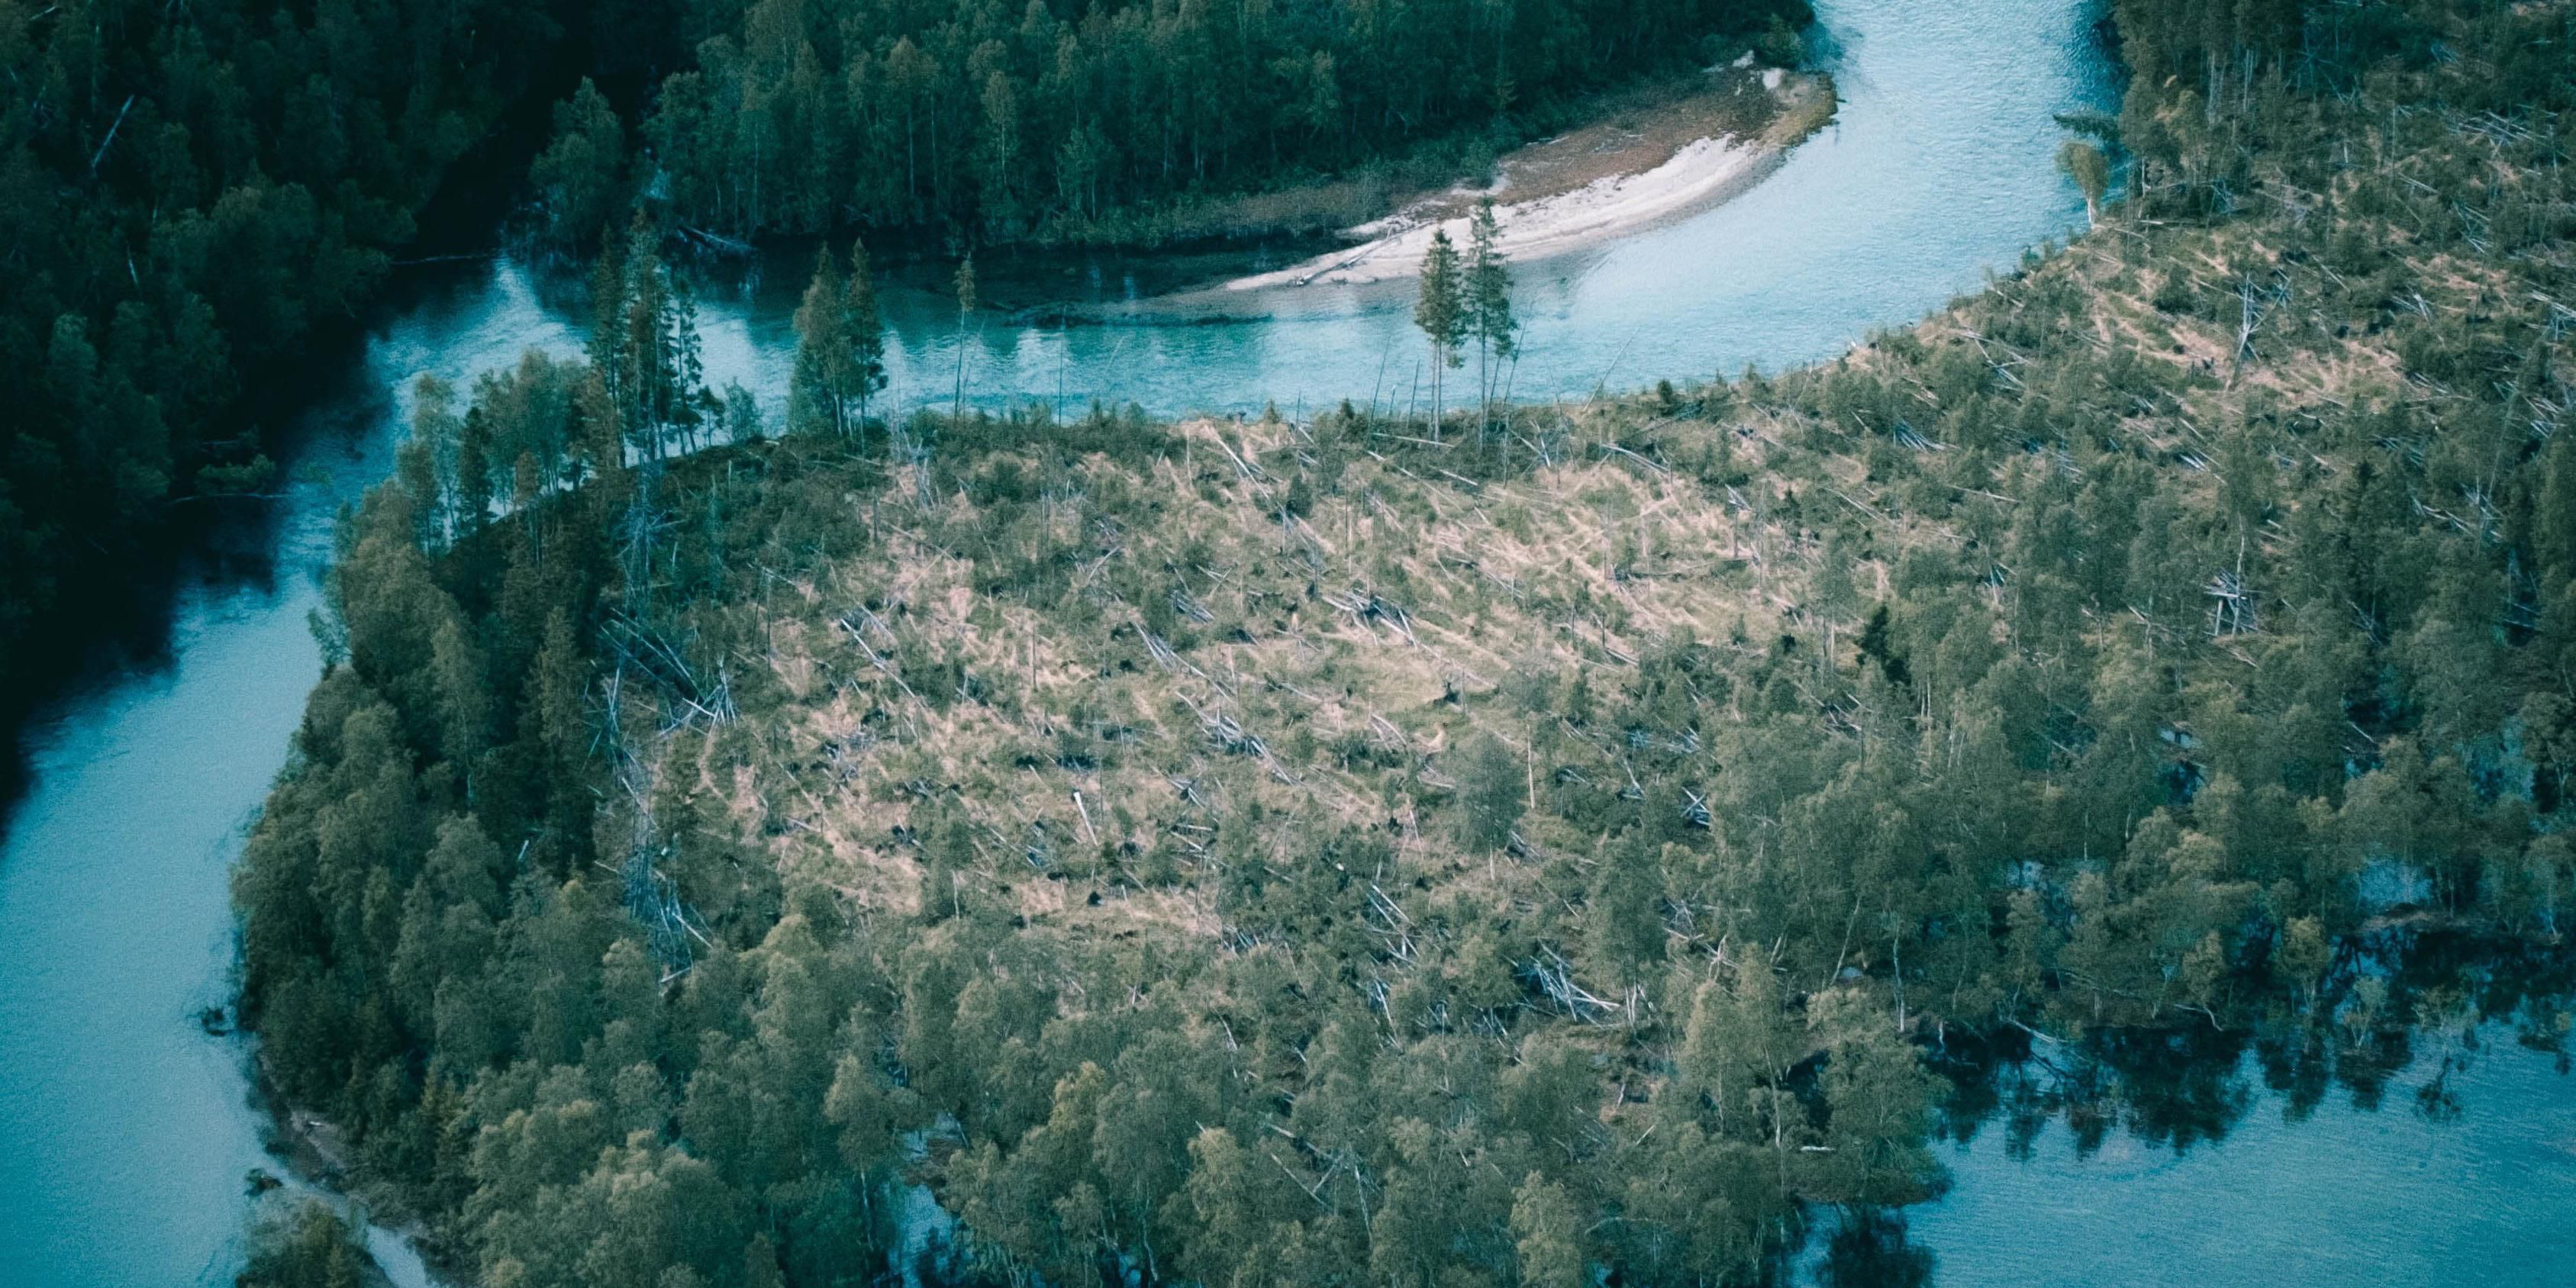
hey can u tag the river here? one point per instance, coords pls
(131, 1128)
(1939, 167)
(2476, 1188)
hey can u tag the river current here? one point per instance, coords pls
(131, 1128)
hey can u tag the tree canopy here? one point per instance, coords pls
(1262, 852)
(1006, 120)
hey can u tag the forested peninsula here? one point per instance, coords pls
(1513, 847)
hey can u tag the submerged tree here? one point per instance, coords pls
(1441, 313)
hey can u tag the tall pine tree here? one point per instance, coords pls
(1441, 313)
(1489, 306)
(840, 349)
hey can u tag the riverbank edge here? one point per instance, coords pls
(1563, 219)
(1315, 206)
(305, 1145)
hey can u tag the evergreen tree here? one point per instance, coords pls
(1491, 793)
(302, 1243)
(688, 399)
(473, 488)
(840, 349)
(965, 310)
(864, 325)
(1489, 305)
(1626, 927)
(426, 462)
(645, 344)
(644, 379)
(1441, 312)
(822, 370)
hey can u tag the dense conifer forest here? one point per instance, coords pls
(997, 121)
(1493, 851)
(193, 197)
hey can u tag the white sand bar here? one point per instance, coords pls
(1701, 173)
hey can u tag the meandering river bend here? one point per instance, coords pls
(130, 1129)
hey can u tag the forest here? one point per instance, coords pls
(996, 122)
(1519, 847)
(193, 197)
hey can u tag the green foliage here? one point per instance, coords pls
(303, 1243)
(840, 348)
(1443, 312)
(1001, 120)
(644, 354)
(1255, 853)
(2090, 169)
(1490, 794)
(195, 197)
(580, 177)
(1487, 303)
(1549, 1251)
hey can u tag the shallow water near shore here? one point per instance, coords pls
(2457, 1166)
(132, 1128)
(2387, 1195)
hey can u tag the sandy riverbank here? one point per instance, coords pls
(1589, 186)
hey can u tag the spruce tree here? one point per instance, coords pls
(1441, 313)
(965, 310)
(644, 368)
(1488, 303)
(687, 402)
(607, 308)
(840, 349)
(473, 496)
(865, 328)
(1490, 794)
(814, 402)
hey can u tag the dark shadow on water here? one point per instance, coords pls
(2405, 1010)
(118, 619)
(1018, 285)
(1869, 1249)
(115, 621)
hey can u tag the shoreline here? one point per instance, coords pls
(314, 1163)
(1581, 189)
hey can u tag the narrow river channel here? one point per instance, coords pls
(131, 1128)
